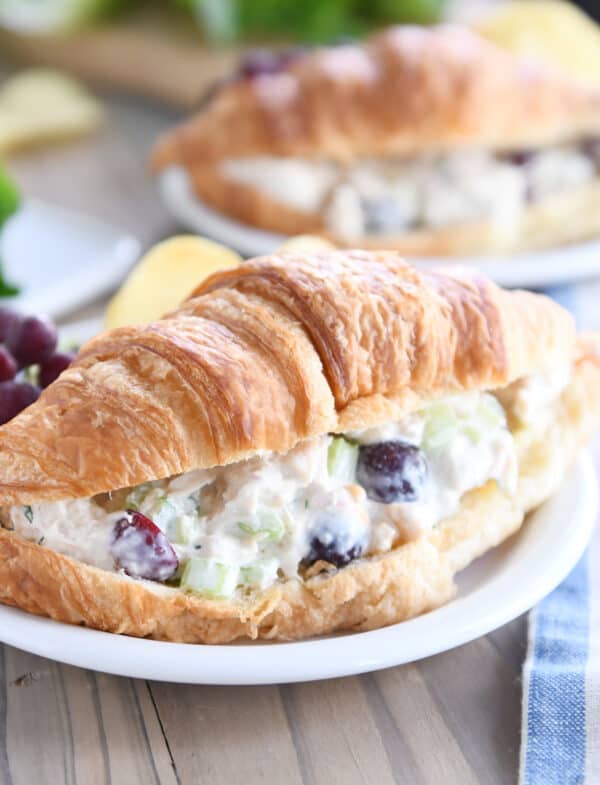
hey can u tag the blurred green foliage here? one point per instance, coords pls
(311, 21)
(315, 21)
(9, 197)
(9, 204)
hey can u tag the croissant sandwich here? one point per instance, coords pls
(309, 443)
(431, 141)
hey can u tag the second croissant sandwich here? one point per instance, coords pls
(431, 141)
(310, 443)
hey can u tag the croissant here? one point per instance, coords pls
(431, 141)
(309, 443)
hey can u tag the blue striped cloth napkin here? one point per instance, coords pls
(560, 736)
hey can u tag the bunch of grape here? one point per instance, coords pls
(28, 360)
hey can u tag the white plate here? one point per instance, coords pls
(62, 259)
(533, 269)
(495, 589)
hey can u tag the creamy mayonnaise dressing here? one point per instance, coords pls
(531, 400)
(78, 528)
(376, 196)
(298, 183)
(455, 466)
(262, 515)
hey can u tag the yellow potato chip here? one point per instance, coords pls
(164, 277)
(41, 105)
(554, 31)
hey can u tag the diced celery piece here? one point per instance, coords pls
(260, 574)
(342, 457)
(488, 416)
(473, 429)
(490, 411)
(441, 424)
(185, 529)
(267, 524)
(137, 496)
(210, 577)
(164, 514)
(272, 525)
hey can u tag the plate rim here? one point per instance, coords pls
(93, 281)
(129, 657)
(547, 267)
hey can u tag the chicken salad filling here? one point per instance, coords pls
(382, 197)
(330, 500)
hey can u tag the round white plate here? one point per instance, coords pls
(495, 589)
(62, 259)
(533, 269)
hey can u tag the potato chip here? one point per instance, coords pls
(550, 30)
(40, 105)
(164, 277)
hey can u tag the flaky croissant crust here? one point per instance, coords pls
(369, 593)
(267, 354)
(406, 91)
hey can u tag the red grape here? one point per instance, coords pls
(8, 365)
(32, 340)
(392, 471)
(258, 62)
(264, 62)
(141, 549)
(54, 366)
(332, 553)
(14, 397)
(7, 319)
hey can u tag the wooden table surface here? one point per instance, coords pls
(452, 719)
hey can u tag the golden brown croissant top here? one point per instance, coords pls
(262, 356)
(407, 91)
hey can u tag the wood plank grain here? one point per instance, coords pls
(335, 734)
(5, 774)
(478, 696)
(228, 735)
(434, 755)
(65, 724)
(511, 643)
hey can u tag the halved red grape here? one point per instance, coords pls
(520, 157)
(332, 552)
(264, 62)
(54, 366)
(337, 536)
(32, 340)
(8, 318)
(393, 471)
(8, 365)
(14, 397)
(141, 549)
(258, 62)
